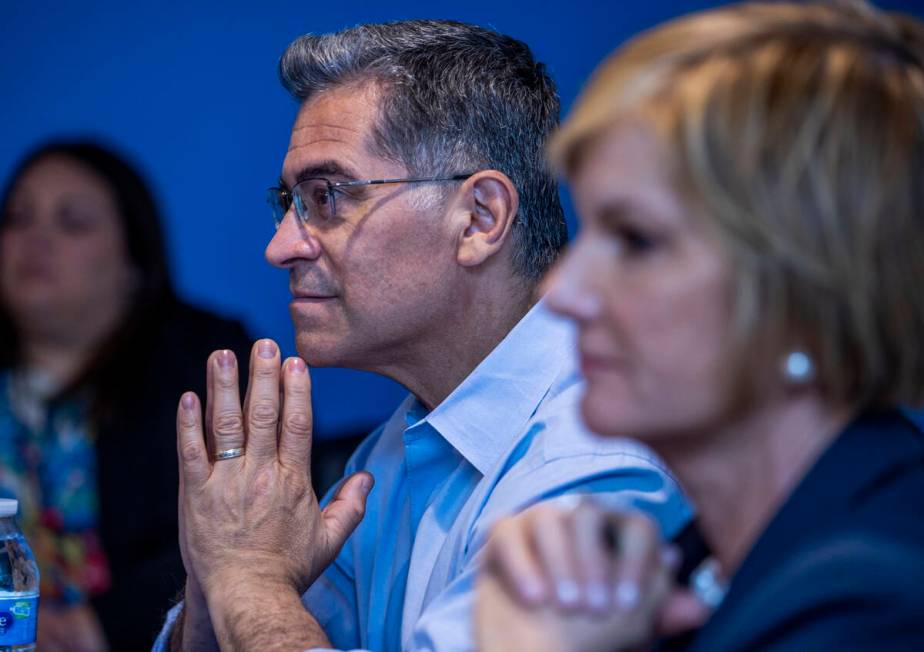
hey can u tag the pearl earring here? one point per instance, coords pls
(798, 368)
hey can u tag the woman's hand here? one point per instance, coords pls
(579, 579)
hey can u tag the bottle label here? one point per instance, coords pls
(18, 617)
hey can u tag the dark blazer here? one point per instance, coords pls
(841, 565)
(137, 474)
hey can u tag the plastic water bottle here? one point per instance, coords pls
(19, 584)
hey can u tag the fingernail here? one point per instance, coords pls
(266, 349)
(596, 596)
(567, 592)
(226, 359)
(626, 595)
(188, 401)
(365, 484)
(296, 365)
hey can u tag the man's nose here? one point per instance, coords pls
(293, 241)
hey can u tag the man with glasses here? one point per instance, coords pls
(416, 215)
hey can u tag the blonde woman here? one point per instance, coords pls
(747, 283)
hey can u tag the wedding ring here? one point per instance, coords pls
(229, 454)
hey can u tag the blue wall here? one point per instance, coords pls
(190, 91)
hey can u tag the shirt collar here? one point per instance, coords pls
(488, 410)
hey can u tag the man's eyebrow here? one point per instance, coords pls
(329, 168)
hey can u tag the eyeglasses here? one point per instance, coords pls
(315, 198)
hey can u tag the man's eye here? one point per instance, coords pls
(321, 196)
(322, 201)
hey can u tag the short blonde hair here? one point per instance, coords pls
(798, 130)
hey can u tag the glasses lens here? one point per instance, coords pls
(277, 198)
(312, 198)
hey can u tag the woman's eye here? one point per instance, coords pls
(629, 232)
(75, 222)
(638, 241)
(634, 241)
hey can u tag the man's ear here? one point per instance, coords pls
(490, 207)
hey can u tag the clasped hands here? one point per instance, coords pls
(253, 522)
(579, 578)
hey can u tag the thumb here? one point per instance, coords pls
(682, 611)
(345, 510)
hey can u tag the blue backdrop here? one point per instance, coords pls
(189, 91)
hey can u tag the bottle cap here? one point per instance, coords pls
(8, 507)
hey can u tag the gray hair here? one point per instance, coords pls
(456, 98)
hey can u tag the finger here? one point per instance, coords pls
(488, 587)
(190, 441)
(654, 590)
(254, 351)
(180, 510)
(638, 558)
(227, 421)
(556, 549)
(593, 558)
(261, 404)
(511, 557)
(209, 392)
(295, 434)
(344, 512)
(682, 612)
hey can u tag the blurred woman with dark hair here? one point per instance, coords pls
(747, 286)
(86, 302)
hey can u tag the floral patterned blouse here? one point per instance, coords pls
(48, 463)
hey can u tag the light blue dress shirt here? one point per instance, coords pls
(508, 437)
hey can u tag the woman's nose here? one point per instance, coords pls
(570, 289)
